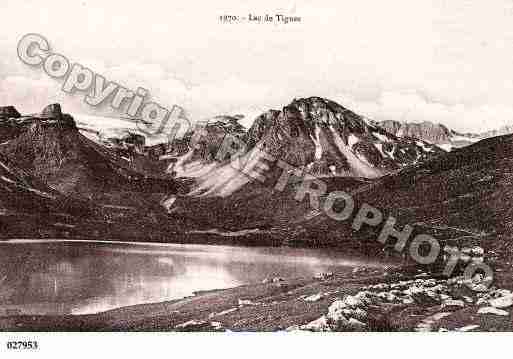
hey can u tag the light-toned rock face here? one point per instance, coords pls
(502, 302)
(355, 312)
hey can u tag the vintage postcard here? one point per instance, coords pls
(299, 168)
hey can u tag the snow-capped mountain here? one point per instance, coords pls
(430, 132)
(464, 194)
(313, 134)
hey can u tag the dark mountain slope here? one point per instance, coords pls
(465, 194)
(51, 148)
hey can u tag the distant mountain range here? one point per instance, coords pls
(105, 130)
(439, 134)
(56, 182)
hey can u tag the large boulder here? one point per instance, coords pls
(502, 302)
(9, 112)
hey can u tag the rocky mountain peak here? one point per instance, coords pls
(317, 110)
(52, 111)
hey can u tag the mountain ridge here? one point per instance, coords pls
(314, 134)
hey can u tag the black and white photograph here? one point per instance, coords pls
(255, 170)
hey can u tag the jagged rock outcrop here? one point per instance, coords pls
(7, 112)
(52, 111)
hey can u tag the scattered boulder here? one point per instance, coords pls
(313, 297)
(218, 326)
(317, 325)
(408, 300)
(468, 299)
(380, 286)
(294, 328)
(479, 287)
(243, 302)
(336, 311)
(224, 312)
(502, 302)
(348, 313)
(453, 303)
(200, 326)
(428, 323)
(352, 301)
(366, 297)
(358, 313)
(477, 251)
(273, 280)
(502, 293)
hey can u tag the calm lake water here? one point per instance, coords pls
(60, 277)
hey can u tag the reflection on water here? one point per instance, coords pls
(89, 277)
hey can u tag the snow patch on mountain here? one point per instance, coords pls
(99, 129)
(423, 145)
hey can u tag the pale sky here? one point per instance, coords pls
(444, 61)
